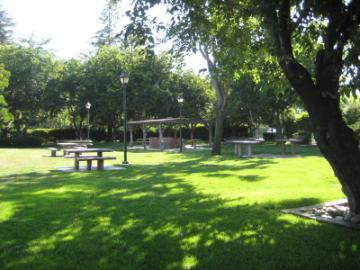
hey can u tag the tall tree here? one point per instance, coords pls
(5, 116)
(30, 69)
(195, 26)
(109, 18)
(335, 24)
(103, 86)
(315, 41)
(6, 27)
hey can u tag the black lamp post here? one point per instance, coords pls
(88, 106)
(180, 100)
(124, 79)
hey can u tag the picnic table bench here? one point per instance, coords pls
(99, 157)
(282, 143)
(89, 159)
(53, 151)
(293, 142)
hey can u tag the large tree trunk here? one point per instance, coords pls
(220, 100)
(219, 127)
(336, 141)
(109, 132)
(278, 126)
(338, 144)
(320, 91)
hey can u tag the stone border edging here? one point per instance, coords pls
(306, 211)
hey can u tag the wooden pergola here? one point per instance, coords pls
(159, 123)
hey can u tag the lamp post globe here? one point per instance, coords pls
(87, 107)
(124, 79)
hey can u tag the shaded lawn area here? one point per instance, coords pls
(170, 211)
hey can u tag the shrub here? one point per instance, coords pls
(352, 115)
(305, 136)
(40, 133)
(5, 142)
(62, 134)
(269, 136)
(356, 128)
(27, 141)
(303, 128)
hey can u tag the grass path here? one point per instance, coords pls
(170, 211)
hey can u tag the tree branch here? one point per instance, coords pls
(285, 28)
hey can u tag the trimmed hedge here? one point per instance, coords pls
(22, 141)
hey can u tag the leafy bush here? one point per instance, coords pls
(304, 136)
(351, 114)
(42, 133)
(52, 135)
(63, 134)
(302, 127)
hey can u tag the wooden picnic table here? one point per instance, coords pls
(69, 145)
(74, 141)
(282, 143)
(246, 143)
(294, 142)
(99, 157)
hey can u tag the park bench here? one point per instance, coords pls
(89, 159)
(53, 151)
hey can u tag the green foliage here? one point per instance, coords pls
(51, 135)
(5, 116)
(351, 113)
(30, 69)
(303, 127)
(6, 27)
(351, 109)
(109, 18)
(43, 92)
(266, 101)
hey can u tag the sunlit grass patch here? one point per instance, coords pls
(170, 211)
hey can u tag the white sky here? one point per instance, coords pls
(69, 24)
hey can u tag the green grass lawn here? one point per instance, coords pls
(170, 211)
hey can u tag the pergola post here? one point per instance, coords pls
(131, 135)
(161, 139)
(192, 135)
(159, 123)
(143, 128)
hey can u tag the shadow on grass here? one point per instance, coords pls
(150, 218)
